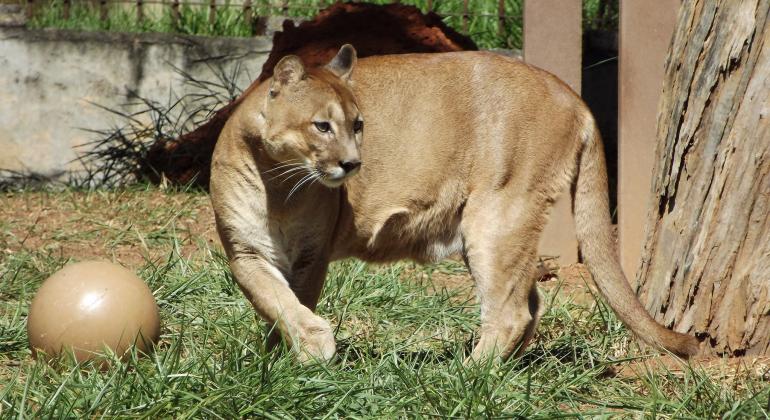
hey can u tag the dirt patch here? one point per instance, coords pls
(727, 369)
(443, 280)
(461, 285)
(573, 281)
(129, 227)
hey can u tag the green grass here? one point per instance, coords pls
(401, 338)
(193, 20)
(229, 20)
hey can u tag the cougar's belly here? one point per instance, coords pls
(423, 235)
(417, 226)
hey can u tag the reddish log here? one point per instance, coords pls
(371, 29)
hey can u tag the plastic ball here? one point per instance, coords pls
(87, 306)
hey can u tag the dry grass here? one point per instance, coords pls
(130, 227)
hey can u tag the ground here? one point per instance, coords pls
(403, 331)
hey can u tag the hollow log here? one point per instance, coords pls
(371, 29)
(706, 259)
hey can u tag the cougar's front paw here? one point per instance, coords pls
(316, 341)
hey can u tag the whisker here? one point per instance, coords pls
(295, 188)
(317, 177)
(288, 171)
(298, 185)
(293, 165)
(313, 181)
(308, 181)
(282, 165)
(288, 163)
(290, 177)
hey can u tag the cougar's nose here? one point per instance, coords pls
(350, 165)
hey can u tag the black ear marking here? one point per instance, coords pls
(342, 64)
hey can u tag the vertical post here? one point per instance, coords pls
(501, 17)
(645, 34)
(175, 16)
(248, 15)
(212, 12)
(66, 4)
(430, 5)
(103, 12)
(30, 10)
(553, 41)
(466, 16)
(139, 11)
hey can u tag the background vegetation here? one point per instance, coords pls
(482, 26)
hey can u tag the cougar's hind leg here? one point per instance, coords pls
(501, 234)
(536, 310)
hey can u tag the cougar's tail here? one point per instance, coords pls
(594, 234)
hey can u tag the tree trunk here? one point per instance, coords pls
(706, 264)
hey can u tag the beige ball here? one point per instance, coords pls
(89, 305)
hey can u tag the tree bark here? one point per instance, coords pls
(706, 260)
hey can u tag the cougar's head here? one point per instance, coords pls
(311, 122)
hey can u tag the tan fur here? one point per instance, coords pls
(462, 153)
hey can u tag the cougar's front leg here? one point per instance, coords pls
(269, 291)
(306, 281)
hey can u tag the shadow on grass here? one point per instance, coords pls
(563, 353)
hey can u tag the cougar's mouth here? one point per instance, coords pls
(333, 178)
(336, 175)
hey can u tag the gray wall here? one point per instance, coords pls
(50, 78)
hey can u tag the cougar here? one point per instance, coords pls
(414, 156)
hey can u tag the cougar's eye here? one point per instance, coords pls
(323, 126)
(358, 126)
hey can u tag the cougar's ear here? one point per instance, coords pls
(342, 64)
(288, 70)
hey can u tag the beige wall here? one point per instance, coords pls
(51, 80)
(553, 41)
(645, 34)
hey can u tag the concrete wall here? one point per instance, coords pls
(50, 78)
